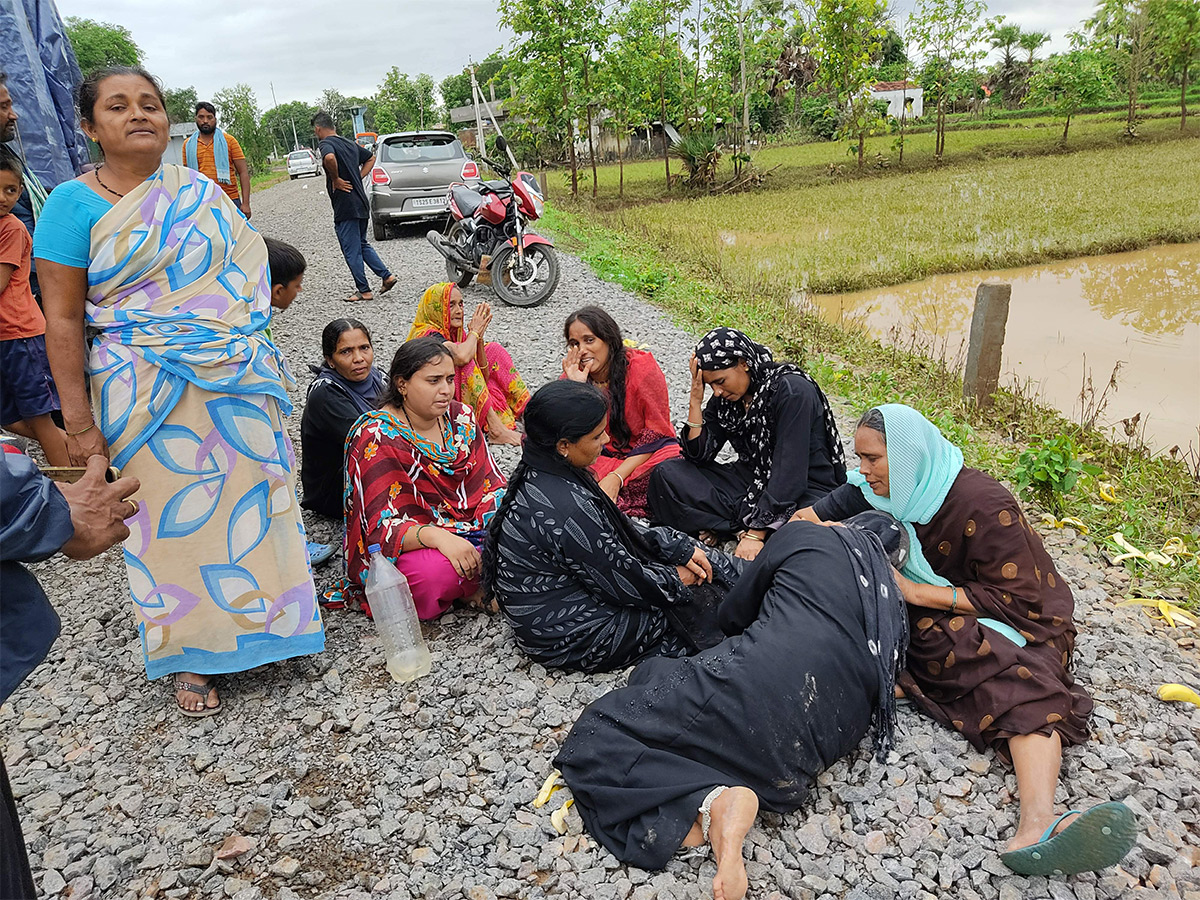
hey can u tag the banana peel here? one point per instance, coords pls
(558, 818)
(549, 787)
(1108, 493)
(1162, 610)
(1052, 522)
(1179, 692)
(1165, 557)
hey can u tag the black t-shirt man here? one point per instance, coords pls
(352, 204)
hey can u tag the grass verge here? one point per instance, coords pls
(979, 215)
(1156, 499)
(264, 180)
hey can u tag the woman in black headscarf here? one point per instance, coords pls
(779, 422)
(346, 385)
(583, 586)
(692, 748)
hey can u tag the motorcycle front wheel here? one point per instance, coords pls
(461, 239)
(528, 282)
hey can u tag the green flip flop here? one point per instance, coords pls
(1099, 838)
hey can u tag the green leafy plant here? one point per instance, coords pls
(1050, 470)
(700, 157)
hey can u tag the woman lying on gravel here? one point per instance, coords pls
(583, 586)
(188, 394)
(780, 424)
(485, 377)
(420, 483)
(346, 385)
(692, 748)
(992, 629)
(639, 412)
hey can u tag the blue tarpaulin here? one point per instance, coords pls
(42, 79)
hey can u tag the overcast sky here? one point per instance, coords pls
(306, 46)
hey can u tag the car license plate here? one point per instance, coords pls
(427, 201)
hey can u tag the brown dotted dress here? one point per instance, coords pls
(965, 674)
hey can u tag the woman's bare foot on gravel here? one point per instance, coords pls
(732, 815)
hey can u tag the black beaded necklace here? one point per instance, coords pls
(96, 172)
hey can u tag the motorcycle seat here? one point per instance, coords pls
(497, 186)
(466, 199)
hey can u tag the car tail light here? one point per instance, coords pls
(470, 170)
(379, 176)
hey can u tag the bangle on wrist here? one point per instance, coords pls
(954, 600)
(695, 424)
(81, 430)
(420, 542)
(753, 537)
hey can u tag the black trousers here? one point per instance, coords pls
(16, 881)
(696, 497)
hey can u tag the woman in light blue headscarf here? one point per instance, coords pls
(991, 628)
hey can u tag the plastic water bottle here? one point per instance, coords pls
(396, 619)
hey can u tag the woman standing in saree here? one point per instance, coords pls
(485, 378)
(639, 412)
(992, 628)
(189, 395)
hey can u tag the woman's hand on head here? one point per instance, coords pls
(461, 552)
(82, 447)
(697, 393)
(748, 549)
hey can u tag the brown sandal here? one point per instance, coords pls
(388, 283)
(202, 690)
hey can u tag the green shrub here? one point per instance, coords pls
(819, 116)
(700, 156)
(1050, 469)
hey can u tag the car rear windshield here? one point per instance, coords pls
(423, 149)
(300, 154)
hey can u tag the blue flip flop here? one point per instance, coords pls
(1099, 838)
(319, 553)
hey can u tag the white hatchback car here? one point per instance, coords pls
(303, 162)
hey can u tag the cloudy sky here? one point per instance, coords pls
(306, 46)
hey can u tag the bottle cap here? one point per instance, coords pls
(374, 548)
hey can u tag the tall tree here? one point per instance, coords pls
(1072, 81)
(1175, 25)
(181, 104)
(287, 124)
(1123, 26)
(238, 113)
(551, 38)
(845, 38)
(98, 45)
(1010, 74)
(1031, 42)
(950, 34)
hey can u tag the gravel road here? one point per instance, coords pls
(324, 779)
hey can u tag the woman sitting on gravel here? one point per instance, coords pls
(992, 629)
(583, 586)
(346, 385)
(420, 483)
(639, 411)
(780, 424)
(485, 377)
(692, 748)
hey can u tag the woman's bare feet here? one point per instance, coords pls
(708, 538)
(732, 815)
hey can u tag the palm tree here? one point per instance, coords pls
(1031, 42)
(1009, 76)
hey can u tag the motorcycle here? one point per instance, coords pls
(490, 220)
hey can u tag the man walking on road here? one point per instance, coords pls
(214, 152)
(346, 165)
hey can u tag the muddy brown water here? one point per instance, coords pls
(1068, 320)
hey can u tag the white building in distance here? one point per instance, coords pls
(902, 98)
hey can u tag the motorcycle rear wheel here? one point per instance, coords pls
(545, 273)
(460, 238)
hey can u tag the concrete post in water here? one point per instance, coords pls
(982, 375)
